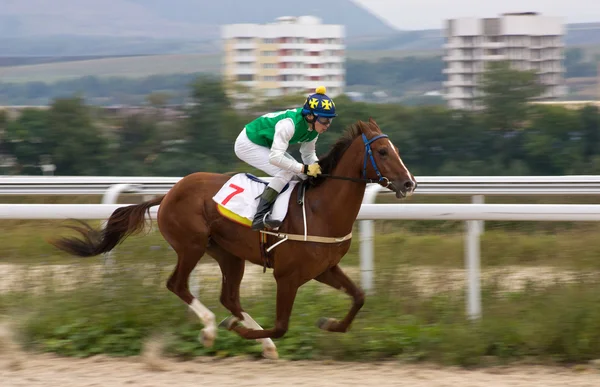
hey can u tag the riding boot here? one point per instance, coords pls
(262, 219)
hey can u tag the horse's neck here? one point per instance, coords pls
(337, 202)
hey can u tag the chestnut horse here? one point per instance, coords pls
(190, 222)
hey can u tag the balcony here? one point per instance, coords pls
(493, 57)
(459, 83)
(459, 58)
(493, 45)
(456, 95)
(243, 58)
(244, 46)
(460, 70)
(244, 70)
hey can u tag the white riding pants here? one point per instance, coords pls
(258, 157)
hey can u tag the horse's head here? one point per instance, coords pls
(382, 161)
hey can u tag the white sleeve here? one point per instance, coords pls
(284, 131)
(309, 152)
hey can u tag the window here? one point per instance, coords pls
(244, 52)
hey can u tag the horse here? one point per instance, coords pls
(190, 222)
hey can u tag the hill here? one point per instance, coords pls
(181, 19)
(152, 27)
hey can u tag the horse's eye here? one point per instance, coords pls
(382, 151)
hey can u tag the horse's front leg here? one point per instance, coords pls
(336, 278)
(286, 294)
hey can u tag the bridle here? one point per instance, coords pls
(384, 181)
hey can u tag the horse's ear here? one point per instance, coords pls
(373, 125)
(361, 125)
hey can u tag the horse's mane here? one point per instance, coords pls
(329, 161)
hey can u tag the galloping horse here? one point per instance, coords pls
(190, 222)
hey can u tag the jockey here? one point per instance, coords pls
(263, 144)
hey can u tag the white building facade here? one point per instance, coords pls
(290, 56)
(529, 41)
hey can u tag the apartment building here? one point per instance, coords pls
(291, 55)
(529, 41)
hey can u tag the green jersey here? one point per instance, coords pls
(261, 130)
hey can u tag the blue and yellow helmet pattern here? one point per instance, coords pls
(319, 104)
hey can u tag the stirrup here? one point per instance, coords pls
(270, 223)
(266, 223)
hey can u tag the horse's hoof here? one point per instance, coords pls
(270, 353)
(325, 323)
(207, 337)
(229, 323)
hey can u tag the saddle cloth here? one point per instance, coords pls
(239, 197)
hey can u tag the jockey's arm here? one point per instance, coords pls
(309, 152)
(284, 131)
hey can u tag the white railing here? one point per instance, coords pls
(476, 186)
(368, 213)
(428, 185)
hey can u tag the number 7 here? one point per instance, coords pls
(237, 190)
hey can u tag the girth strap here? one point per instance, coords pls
(305, 238)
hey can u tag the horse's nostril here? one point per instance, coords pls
(408, 185)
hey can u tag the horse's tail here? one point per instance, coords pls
(123, 222)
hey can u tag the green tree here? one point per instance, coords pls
(3, 119)
(506, 94)
(205, 126)
(27, 139)
(78, 147)
(553, 143)
(138, 144)
(590, 128)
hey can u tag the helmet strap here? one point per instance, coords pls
(311, 121)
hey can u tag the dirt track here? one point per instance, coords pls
(18, 369)
(46, 370)
(427, 279)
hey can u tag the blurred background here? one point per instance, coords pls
(157, 88)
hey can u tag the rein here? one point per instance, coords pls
(356, 179)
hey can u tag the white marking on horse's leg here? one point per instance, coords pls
(208, 319)
(269, 348)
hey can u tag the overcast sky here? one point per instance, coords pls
(426, 14)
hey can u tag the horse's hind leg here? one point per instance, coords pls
(178, 283)
(232, 268)
(336, 278)
(287, 289)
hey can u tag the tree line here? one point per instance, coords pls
(510, 136)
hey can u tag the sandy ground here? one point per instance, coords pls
(46, 370)
(20, 369)
(428, 280)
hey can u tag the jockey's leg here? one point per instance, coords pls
(258, 157)
(267, 200)
(254, 155)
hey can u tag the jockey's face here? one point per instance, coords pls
(322, 124)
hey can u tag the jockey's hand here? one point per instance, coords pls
(312, 169)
